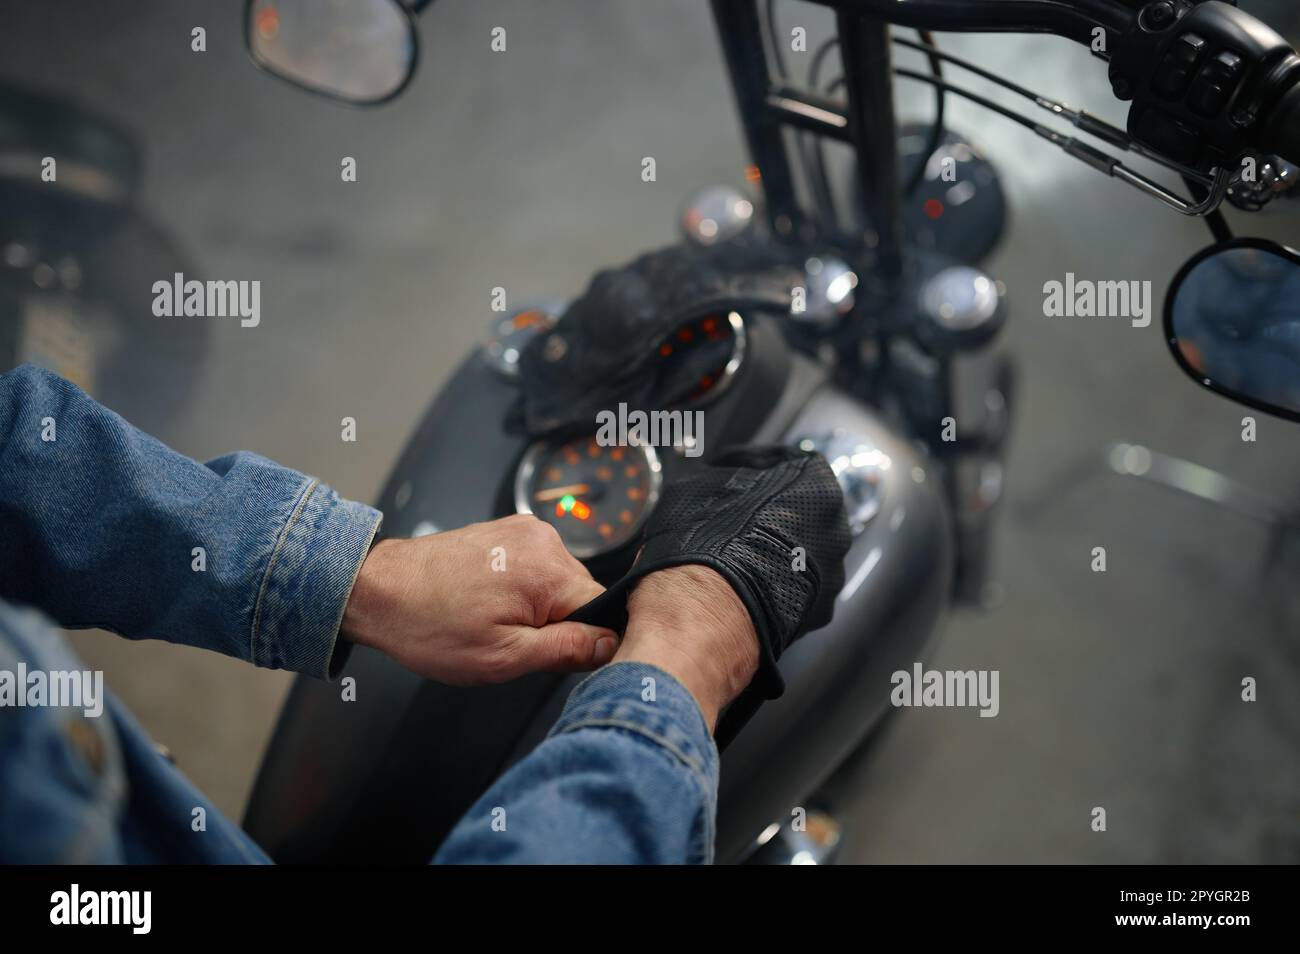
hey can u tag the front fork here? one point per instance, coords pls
(949, 384)
(953, 399)
(961, 410)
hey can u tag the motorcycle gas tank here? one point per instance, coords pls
(384, 777)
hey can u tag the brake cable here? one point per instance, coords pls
(1079, 118)
(934, 138)
(1206, 199)
(1216, 187)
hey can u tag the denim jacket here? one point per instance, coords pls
(103, 526)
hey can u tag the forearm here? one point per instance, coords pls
(101, 525)
(628, 775)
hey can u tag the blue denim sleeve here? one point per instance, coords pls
(101, 525)
(628, 775)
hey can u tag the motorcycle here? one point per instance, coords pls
(887, 340)
(78, 255)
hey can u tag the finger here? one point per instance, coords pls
(577, 589)
(563, 647)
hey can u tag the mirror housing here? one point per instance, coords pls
(1232, 321)
(361, 52)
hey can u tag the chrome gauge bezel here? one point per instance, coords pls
(528, 467)
(505, 360)
(739, 349)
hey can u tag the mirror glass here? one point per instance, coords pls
(1232, 318)
(359, 51)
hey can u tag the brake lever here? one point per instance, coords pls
(1216, 190)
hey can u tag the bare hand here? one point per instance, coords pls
(481, 604)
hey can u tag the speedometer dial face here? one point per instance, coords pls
(597, 497)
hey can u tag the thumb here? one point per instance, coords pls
(563, 647)
(578, 590)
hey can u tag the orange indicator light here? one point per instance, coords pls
(268, 22)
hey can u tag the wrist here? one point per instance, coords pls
(688, 621)
(646, 645)
(368, 602)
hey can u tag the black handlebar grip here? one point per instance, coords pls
(1283, 126)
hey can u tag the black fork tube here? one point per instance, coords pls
(869, 84)
(741, 35)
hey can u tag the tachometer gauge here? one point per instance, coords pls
(509, 335)
(597, 497)
(700, 358)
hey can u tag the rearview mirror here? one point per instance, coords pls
(358, 51)
(1232, 320)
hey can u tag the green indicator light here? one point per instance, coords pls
(567, 502)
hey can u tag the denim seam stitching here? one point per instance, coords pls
(304, 495)
(690, 761)
(338, 623)
(708, 798)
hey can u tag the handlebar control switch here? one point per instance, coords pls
(1157, 16)
(1208, 82)
(1175, 72)
(1215, 84)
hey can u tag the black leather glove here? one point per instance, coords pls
(603, 350)
(769, 519)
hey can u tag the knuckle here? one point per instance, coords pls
(572, 648)
(547, 533)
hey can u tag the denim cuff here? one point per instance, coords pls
(645, 700)
(308, 581)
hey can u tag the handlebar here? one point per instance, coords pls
(1283, 137)
(1208, 82)
(1074, 19)
(1209, 86)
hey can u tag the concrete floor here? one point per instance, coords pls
(521, 169)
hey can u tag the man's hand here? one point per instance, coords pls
(688, 621)
(438, 606)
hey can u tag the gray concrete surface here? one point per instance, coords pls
(521, 169)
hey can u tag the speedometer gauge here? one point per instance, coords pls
(597, 497)
(700, 358)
